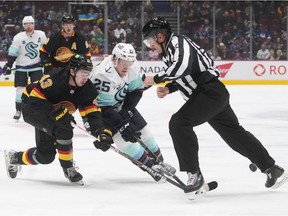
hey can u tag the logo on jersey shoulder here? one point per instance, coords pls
(63, 54)
(121, 93)
(32, 51)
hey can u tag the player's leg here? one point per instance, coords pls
(146, 136)
(245, 143)
(43, 153)
(136, 151)
(20, 81)
(205, 102)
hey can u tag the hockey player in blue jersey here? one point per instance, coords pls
(119, 83)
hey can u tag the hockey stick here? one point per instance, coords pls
(138, 163)
(208, 186)
(158, 160)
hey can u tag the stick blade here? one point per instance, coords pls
(212, 185)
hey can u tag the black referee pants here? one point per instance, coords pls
(210, 103)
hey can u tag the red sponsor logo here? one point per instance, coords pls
(224, 69)
(259, 70)
(272, 70)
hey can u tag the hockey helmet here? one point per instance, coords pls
(28, 19)
(124, 51)
(157, 24)
(79, 61)
(68, 18)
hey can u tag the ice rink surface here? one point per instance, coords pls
(114, 186)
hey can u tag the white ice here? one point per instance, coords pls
(114, 186)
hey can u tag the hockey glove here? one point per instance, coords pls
(6, 69)
(104, 139)
(62, 116)
(63, 128)
(130, 133)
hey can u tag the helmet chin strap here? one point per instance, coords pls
(74, 77)
(162, 44)
(162, 47)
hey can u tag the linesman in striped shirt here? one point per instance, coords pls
(192, 71)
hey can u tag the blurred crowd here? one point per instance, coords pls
(233, 34)
(232, 19)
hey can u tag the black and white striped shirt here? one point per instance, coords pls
(187, 64)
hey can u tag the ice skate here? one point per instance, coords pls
(151, 163)
(17, 115)
(12, 165)
(276, 177)
(73, 175)
(165, 168)
(196, 185)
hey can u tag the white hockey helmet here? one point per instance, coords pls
(28, 19)
(124, 51)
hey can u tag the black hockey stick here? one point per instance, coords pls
(211, 185)
(158, 160)
(186, 189)
(138, 163)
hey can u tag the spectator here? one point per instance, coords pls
(94, 48)
(118, 31)
(263, 53)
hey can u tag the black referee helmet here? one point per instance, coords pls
(155, 25)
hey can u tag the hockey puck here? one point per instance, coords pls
(253, 167)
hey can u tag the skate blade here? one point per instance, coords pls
(199, 193)
(16, 119)
(81, 182)
(282, 180)
(6, 162)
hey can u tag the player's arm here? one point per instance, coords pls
(13, 52)
(94, 116)
(134, 92)
(36, 108)
(45, 51)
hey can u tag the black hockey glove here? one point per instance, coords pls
(63, 128)
(6, 69)
(104, 139)
(130, 133)
(62, 116)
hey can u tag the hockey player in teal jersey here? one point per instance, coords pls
(25, 52)
(119, 83)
